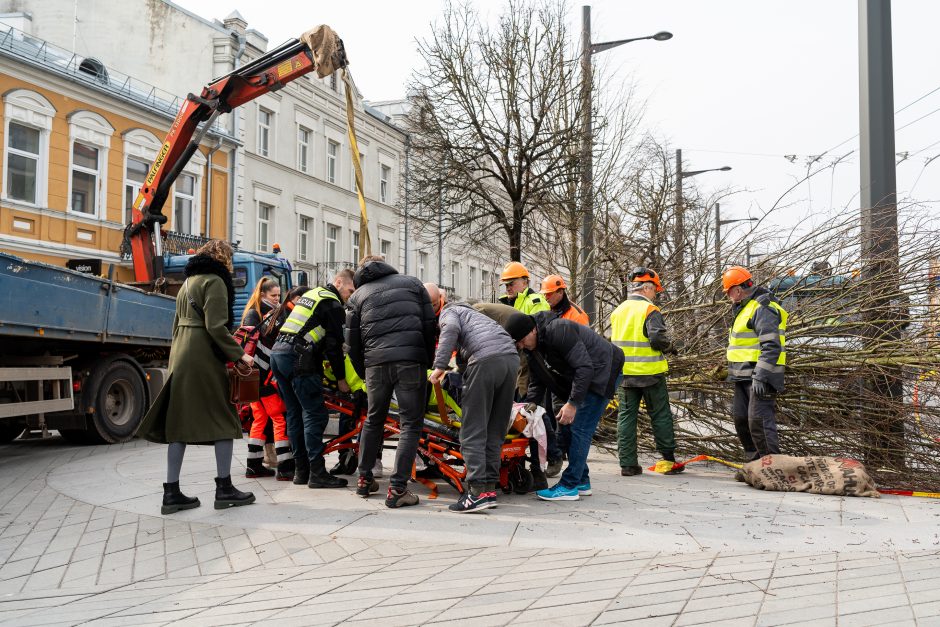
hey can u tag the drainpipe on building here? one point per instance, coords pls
(209, 154)
(234, 167)
(407, 185)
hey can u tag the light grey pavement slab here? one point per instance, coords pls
(82, 542)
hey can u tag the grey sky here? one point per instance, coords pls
(767, 78)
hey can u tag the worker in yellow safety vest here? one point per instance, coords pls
(515, 278)
(638, 328)
(313, 332)
(756, 361)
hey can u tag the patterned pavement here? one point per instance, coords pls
(81, 543)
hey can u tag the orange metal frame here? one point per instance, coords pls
(443, 451)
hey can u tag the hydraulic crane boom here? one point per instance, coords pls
(321, 51)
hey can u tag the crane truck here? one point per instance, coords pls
(85, 355)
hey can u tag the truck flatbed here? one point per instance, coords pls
(43, 301)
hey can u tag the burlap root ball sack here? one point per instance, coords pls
(819, 475)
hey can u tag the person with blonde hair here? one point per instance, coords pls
(265, 297)
(193, 407)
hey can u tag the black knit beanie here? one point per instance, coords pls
(519, 325)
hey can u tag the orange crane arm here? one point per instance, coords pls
(267, 73)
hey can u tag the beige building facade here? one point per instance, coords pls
(75, 151)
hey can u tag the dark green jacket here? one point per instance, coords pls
(193, 406)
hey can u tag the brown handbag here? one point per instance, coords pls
(244, 383)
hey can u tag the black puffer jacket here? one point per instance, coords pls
(571, 360)
(389, 318)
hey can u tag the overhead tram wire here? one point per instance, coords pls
(817, 157)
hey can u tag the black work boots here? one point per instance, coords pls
(348, 463)
(227, 495)
(320, 478)
(301, 471)
(174, 500)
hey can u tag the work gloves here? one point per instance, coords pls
(675, 347)
(761, 389)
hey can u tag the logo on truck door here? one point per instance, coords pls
(157, 163)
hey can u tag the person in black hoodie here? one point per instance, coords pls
(578, 365)
(391, 331)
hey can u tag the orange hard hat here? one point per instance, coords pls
(553, 283)
(513, 270)
(645, 275)
(735, 275)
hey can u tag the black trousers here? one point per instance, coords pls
(407, 379)
(755, 422)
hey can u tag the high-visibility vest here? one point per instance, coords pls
(302, 312)
(576, 314)
(639, 357)
(529, 302)
(744, 343)
(352, 378)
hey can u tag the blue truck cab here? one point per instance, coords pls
(249, 269)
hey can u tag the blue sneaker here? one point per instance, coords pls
(559, 492)
(585, 489)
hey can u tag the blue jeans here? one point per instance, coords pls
(306, 412)
(582, 431)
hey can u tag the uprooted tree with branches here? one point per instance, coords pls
(836, 360)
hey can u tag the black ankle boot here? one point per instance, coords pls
(301, 471)
(285, 470)
(254, 469)
(320, 478)
(539, 480)
(174, 500)
(227, 495)
(348, 464)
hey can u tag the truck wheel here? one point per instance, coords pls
(10, 430)
(120, 404)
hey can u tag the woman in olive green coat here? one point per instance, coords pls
(194, 407)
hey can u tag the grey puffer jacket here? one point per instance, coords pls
(474, 335)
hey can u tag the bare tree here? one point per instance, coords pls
(495, 119)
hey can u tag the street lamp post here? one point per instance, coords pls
(679, 279)
(587, 146)
(718, 224)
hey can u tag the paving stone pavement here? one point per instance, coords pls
(81, 542)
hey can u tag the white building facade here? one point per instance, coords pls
(292, 181)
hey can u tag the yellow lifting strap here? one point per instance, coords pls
(365, 242)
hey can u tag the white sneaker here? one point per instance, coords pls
(377, 470)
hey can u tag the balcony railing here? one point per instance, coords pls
(326, 270)
(173, 244)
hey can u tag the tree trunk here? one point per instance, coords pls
(515, 232)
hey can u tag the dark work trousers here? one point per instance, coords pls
(486, 407)
(656, 398)
(306, 415)
(755, 422)
(407, 379)
(556, 452)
